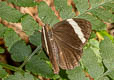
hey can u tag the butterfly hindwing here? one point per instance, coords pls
(50, 47)
(68, 56)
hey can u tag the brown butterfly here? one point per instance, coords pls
(64, 42)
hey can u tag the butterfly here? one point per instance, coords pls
(64, 42)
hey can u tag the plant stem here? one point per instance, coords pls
(10, 67)
(27, 59)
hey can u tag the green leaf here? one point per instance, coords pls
(9, 14)
(29, 25)
(35, 38)
(91, 63)
(100, 11)
(93, 35)
(24, 3)
(3, 73)
(107, 50)
(19, 76)
(104, 78)
(96, 23)
(94, 43)
(82, 5)
(109, 7)
(105, 34)
(40, 67)
(2, 50)
(10, 37)
(76, 74)
(65, 11)
(96, 3)
(111, 74)
(46, 14)
(20, 51)
(2, 30)
(42, 55)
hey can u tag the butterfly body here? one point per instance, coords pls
(64, 42)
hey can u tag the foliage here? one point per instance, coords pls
(19, 76)
(3, 73)
(2, 50)
(98, 56)
(19, 51)
(27, 21)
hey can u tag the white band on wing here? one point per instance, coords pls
(77, 29)
(45, 41)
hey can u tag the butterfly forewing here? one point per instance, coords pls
(65, 33)
(85, 27)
